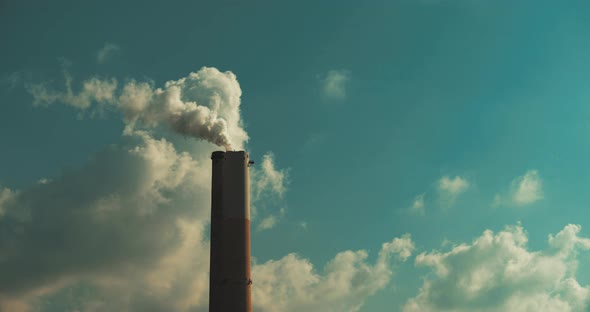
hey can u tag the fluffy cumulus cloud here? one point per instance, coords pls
(106, 52)
(450, 188)
(334, 84)
(524, 190)
(497, 272)
(203, 105)
(129, 223)
(292, 283)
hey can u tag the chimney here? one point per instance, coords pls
(229, 280)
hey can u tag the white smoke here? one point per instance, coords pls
(203, 105)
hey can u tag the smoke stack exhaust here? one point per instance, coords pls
(229, 280)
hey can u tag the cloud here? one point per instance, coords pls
(267, 223)
(497, 272)
(527, 189)
(126, 232)
(129, 223)
(93, 90)
(454, 186)
(268, 180)
(418, 205)
(401, 247)
(271, 220)
(450, 188)
(203, 105)
(334, 84)
(268, 186)
(292, 284)
(106, 52)
(524, 190)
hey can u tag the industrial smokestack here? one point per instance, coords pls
(229, 280)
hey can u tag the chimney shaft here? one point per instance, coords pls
(229, 280)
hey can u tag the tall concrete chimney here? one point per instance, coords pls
(229, 280)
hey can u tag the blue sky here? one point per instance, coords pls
(417, 123)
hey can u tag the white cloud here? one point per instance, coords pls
(268, 180)
(527, 189)
(418, 205)
(267, 223)
(292, 284)
(93, 90)
(450, 188)
(129, 224)
(402, 247)
(334, 84)
(455, 186)
(106, 52)
(268, 187)
(524, 190)
(271, 220)
(497, 272)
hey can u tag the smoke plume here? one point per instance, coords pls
(203, 105)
